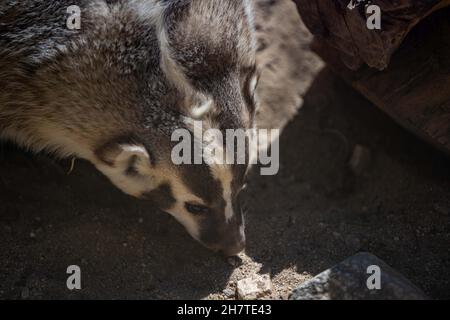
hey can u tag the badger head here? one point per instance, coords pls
(207, 56)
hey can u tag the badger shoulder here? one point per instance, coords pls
(65, 89)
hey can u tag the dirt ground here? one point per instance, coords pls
(313, 214)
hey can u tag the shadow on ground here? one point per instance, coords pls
(313, 214)
(317, 211)
(125, 248)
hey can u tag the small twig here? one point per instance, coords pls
(72, 165)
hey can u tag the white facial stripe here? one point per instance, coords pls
(227, 197)
(169, 66)
(223, 174)
(150, 10)
(182, 195)
(253, 83)
(249, 11)
(242, 229)
(220, 170)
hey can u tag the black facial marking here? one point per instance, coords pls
(162, 196)
(131, 168)
(196, 210)
(238, 181)
(199, 180)
(229, 100)
(214, 230)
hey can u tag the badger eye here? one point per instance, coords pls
(196, 209)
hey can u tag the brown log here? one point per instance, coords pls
(346, 29)
(415, 88)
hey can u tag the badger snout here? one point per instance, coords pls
(233, 249)
(235, 241)
(228, 248)
(227, 239)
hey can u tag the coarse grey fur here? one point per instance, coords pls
(113, 92)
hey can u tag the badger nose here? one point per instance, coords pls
(234, 249)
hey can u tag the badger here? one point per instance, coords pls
(113, 91)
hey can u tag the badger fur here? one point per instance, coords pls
(113, 91)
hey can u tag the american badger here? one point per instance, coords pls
(113, 91)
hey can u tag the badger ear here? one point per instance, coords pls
(131, 159)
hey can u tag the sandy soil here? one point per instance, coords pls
(313, 214)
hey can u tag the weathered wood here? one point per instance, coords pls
(415, 88)
(346, 29)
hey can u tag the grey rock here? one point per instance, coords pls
(349, 280)
(254, 287)
(228, 292)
